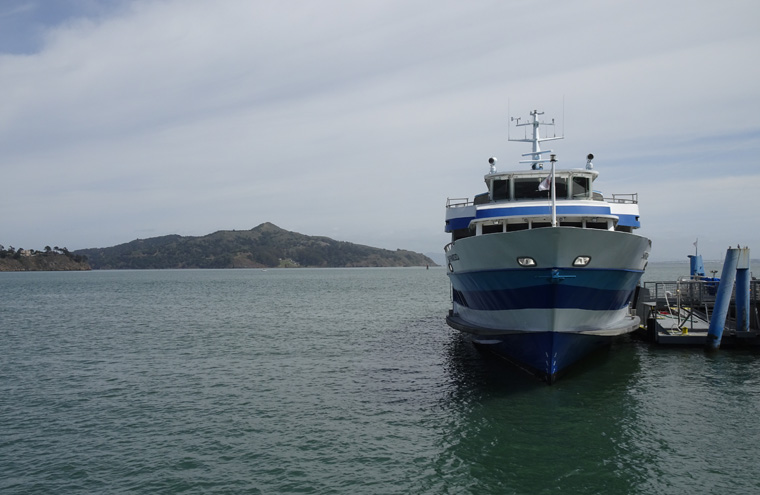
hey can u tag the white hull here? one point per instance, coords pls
(496, 294)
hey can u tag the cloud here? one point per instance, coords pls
(359, 119)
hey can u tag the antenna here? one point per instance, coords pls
(536, 160)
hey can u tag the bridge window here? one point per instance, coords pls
(581, 187)
(561, 184)
(500, 190)
(527, 188)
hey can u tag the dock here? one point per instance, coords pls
(679, 312)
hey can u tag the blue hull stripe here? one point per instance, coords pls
(600, 290)
(521, 211)
(458, 223)
(629, 221)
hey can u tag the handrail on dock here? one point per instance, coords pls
(696, 289)
(695, 294)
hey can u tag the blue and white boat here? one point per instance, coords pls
(542, 267)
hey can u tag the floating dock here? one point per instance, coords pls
(694, 310)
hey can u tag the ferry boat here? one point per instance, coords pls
(543, 268)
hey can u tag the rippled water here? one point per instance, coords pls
(339, 381)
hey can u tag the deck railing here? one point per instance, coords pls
(624, 198)
(616, 198)
(458, 202)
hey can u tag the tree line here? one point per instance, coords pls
(16, 253)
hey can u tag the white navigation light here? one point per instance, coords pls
(492, 161)
(526, 261)
(582, 261)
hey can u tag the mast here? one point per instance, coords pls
(537, 161)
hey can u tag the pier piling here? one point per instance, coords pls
(723, 298)
(742, 291)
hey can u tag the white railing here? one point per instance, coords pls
(458, 202)
(624, 198)
(632, 198)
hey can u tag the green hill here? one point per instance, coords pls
(265, 246)
(23, 260)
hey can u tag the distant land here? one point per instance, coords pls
(265, 246)
(51, 260)
(439, 258)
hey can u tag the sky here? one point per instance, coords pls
(127, 119)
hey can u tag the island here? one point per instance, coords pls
(265, 246)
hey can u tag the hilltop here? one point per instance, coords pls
(265, 246)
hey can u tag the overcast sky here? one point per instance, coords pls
(127, 119)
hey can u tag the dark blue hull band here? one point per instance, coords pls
(565, 288)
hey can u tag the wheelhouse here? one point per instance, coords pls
(524, 186)
(521, 200)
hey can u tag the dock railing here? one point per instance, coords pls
(699, 295)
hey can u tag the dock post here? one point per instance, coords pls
(742, 291)
(723, 299)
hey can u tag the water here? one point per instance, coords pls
(339, 381)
